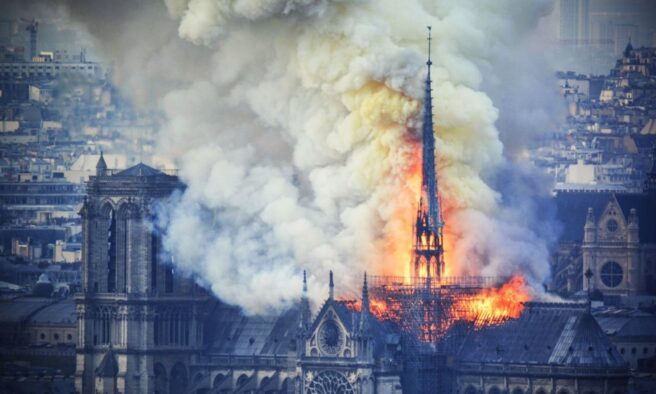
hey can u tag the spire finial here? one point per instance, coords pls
(429, 62)
(331, 294)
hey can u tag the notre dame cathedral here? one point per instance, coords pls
(143, 329)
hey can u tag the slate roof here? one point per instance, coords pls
(627, 324)
(62, 312)
(560, 334)
(572, 209)
(21, 309)
(240, 335)
(140, 170)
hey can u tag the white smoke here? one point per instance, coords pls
(295, 151)
(296, 136)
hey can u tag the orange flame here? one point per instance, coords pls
(493, 306)
(490, 306)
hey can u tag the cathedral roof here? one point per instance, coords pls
(572, 208)
(237, 334)
(140, 170)
(545, 334)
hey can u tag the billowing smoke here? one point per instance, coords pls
(299, 145)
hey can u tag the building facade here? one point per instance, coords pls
(611, 235)
(133, 312)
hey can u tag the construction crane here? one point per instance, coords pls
(33, 28)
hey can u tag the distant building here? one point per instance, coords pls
(27, 70)
(633, 333)
(612, 235)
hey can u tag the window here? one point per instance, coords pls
(42, 336)
(611, 274)
(56, 336)
(154, 252)
(611, 225)
(111, 252)
(633, 350)
(69, 337)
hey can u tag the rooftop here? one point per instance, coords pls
(545, 334)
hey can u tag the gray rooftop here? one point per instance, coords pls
(545, 334)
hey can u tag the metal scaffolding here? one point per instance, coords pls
(435, 315)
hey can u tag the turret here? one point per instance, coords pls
(628, 50)
(331, 284)
(364, 313)
(303, 319)
(633, 227)
(364, 335)
(101, 166)
(590, 228)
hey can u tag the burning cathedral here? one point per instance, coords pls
(144, 329)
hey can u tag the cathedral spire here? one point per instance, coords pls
(304, 320)
(428, 260)
(331, 293)
(364, 313)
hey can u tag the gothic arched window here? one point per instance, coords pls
(611, 274)
(329, 382)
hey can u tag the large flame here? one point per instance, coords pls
(486, 307)
(493, 306)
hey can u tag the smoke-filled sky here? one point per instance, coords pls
(294, 125)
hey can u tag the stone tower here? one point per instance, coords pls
(139, 325)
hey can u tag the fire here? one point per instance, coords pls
(448, 305)
(493, 306)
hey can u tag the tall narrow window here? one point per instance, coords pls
(154, 247)
(111, 252)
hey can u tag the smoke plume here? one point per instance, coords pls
(295, 129)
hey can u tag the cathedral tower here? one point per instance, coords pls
(138, 323)
(428, 250)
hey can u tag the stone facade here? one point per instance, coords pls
(132, 307)
(612, 235)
